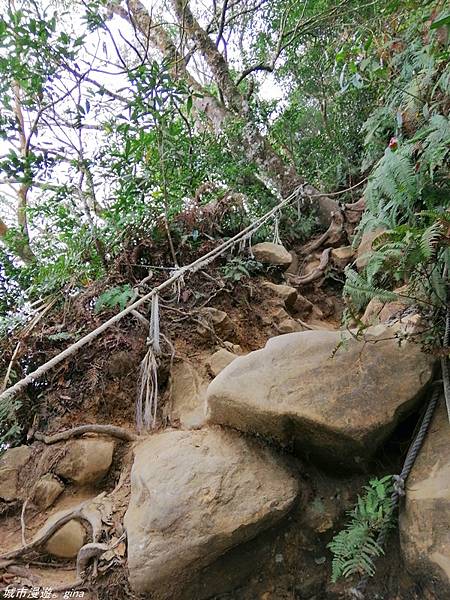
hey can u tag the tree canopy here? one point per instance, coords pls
(118, 116)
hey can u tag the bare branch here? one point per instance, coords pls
(222, 22)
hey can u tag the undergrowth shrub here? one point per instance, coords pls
(355, 548)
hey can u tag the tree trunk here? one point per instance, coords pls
(23, 246)
(258, 149)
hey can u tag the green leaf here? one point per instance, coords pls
(443, 19)
(63, 335)
(116, 296)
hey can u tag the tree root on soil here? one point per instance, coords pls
(90, 512)
(315, 273)
(331, 236)
(111, 430)
(84, 512)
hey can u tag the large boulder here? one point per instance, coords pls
(188, 395)
(86, 461)
(272, 254)
(337, 398)
(425, 517)
(195, 495)
(11, 462)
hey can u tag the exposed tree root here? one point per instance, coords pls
(354, 211)
(68, 587)
(331, 236)
(87, 553)
(315, 273)
(90, 512)
(87, 512)
(44, 537)
(22, 521)
(111, 430)
(93, 550)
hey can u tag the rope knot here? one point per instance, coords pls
(399, 485)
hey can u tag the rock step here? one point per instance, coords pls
(195, 495)
(272, 254)
(337, 399)
(425, 515)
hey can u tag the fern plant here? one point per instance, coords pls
(393, 187)
(408, 188)
(415, 255)
(115, 296)
(355, 548)
(361, 290)
(238, 268)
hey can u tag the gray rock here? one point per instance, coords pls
(303, 306)
(195, 495)
(272, 254)
(293, 267)
(46, 490)
(289, 325)
(218, 361)
(284, 293)
(381, 312)
(425, 515)
(188, 395)
(365, 247)
(11, 462)
(67, 541)
(336, 401)
(218, 320)
(86, 460)
(342, 256)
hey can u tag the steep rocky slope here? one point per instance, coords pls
(269, 421)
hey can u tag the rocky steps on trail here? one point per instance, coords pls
(336, 398)
(194, 495)
(220, 479)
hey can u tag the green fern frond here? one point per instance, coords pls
(393, 187)
(362, 291)
(355, 548)
(436, 142)
(429, 240)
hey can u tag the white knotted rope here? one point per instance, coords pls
(146, 392)
(147, 398)
(276, 229)
(247, 241)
